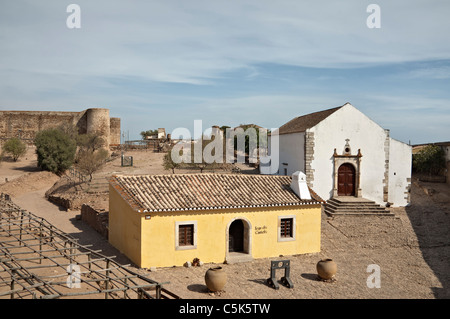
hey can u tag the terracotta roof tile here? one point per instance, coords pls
(179, 192)
(302, 123)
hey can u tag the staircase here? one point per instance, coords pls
(353, 206)
(99, 184)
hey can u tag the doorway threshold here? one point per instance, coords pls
(238, 257)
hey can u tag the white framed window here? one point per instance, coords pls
(185, 235)
(286, 228)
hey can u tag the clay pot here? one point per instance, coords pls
(326, 269)
(215, 278)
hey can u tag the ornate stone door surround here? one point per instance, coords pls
(354, 160)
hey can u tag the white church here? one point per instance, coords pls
(344, 154)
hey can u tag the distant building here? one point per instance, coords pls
(345, 153)
(161, 133)
(167, 220)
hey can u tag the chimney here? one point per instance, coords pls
(299, 186)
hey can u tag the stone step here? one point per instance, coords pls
(361, 214)
(99, 186)
(355, 207)
(351, 203)
(355, 210)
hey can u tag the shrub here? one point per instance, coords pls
(169, 163)
(55, 150)
(89, 161)
(15, 148)
(430, 160)
(89, 142)
(148, 133)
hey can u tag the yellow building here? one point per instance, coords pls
(167, 220)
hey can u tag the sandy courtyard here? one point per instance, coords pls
(411, 249)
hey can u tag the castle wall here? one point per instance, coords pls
(114, 126)
(98, 123)
(26, 124)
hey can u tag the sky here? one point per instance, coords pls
(165, 64)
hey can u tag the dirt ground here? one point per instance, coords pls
(411, 249)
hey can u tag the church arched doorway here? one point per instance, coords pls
(346, 180)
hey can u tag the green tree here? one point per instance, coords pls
(15, 148)
(93, 141)
(55, 150)
(144, 134)
(429, 160)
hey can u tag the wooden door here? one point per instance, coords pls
(346, 180)
(236, 236)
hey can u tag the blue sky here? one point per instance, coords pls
(168, 63)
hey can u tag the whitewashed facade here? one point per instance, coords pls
(345, 153)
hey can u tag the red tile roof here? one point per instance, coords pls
(181, 192)
(302, 123)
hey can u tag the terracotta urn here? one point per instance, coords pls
(326, 268)
(215, 279)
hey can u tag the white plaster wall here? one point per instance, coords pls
(364, 134)
(400, 162)
(292, 152)
(447, 153)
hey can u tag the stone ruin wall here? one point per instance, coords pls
(114, 137)
(26, 124)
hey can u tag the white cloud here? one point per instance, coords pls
(43, 63)
(195, 41)
(414, 118)
(437, 73)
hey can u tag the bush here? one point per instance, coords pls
(89, 161)
(169, 163)
(429, 160)
(148, 133)
(89, 142)
(15, 148)
(55, 150)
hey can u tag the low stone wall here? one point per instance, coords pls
(61, 201)
(432, 178)
(66, 202)
(97, 219)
